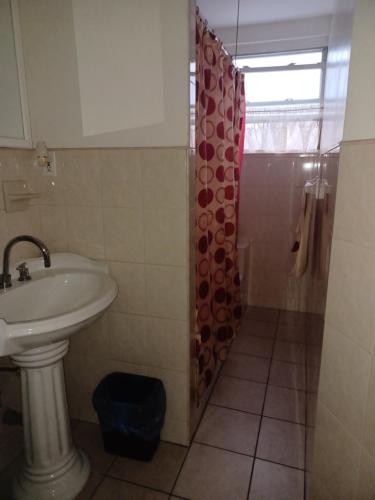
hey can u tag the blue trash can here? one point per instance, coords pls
(131, 411)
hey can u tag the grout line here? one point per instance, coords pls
(104, 475)
(196, 428)
(257, 414)
(165, 492)
(261, 417)
(279, 463)
(96, 487)
(225, 449)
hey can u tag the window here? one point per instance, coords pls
(284, 95)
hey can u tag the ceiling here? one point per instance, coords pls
(221, 13)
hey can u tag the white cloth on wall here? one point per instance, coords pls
(282, 130)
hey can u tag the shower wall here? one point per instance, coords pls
(270, 203)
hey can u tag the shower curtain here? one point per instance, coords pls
(220, 122)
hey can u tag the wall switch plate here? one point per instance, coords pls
(51, 168)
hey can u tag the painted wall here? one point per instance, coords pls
(73, 51)
(360, 123)
(344, 451)
(275, 37)
(11, 123)
(336, 84)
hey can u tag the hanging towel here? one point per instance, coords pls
(323, 238)
(301, 245)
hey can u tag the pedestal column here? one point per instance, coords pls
(53, 468)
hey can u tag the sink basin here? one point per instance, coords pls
(37, 317)
(57, 302)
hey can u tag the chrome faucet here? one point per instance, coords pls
(6, 278)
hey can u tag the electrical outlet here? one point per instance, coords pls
(51, 168)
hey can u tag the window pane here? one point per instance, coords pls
(283, 86)
(313, 57)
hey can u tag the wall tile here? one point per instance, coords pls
(176, 431)
(51, 188)
(3, 229)
(355, 207)
(369, 428)
(344, 378)
(165, 237)
(80, 174)
(123, 229)
(121, 178)
(69, 216)
(350, 306)
(271, 193)
(166, 292)
(336, 459)
(366, 480)
(167, 343)
(130, 279)
(24, 222)
(128, 340)
(176, 387)
(85, 231)
(54, 227)
(164, 178)
(93, 340)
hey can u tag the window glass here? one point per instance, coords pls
(311, 57)
(283, 86)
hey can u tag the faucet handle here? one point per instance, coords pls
(24, 272)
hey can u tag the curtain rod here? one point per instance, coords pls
(211, 30)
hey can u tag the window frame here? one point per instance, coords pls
(289, 67)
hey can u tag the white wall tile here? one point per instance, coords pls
(166, 292)
(130, 279)
(165, 236)
(124, 236)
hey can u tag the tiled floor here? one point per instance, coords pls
(253, 440)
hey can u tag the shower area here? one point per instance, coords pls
(258, 382)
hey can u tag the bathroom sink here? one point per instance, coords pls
(57, 302)
(37, 317)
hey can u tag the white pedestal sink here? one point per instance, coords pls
(36, 319)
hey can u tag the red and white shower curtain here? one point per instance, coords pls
(220, 122)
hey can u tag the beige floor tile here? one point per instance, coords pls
(287, 375)
(247, 367)
(282, 442)
(212, 474)
(6, 476)
(256, 328)
(91, 486)
(289, 351)
(276, 482)
(87, 437)
(246, 344)
(112, 489)
(160, 473)
(239, 394)
(262, 314)
(229, 429)
(294, 318)
(11, 443)
(291, 332)
(286, 404)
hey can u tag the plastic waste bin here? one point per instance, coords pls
(131, 411)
